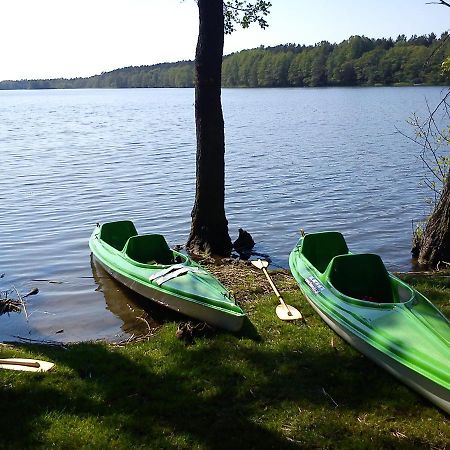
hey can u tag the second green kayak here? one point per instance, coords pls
(375, 312)
(146, 265)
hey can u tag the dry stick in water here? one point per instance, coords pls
(22, 302)
(33, 291)
(42, 341)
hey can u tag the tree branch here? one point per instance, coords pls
(440, 2)
(244, 13)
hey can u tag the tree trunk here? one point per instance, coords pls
(209, 229)
(435, 242)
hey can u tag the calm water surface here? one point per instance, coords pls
(296, 158)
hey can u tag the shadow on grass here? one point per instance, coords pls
(218, 394)
(249, 331)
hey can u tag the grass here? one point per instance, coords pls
(274, 385)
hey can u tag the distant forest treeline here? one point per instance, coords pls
(357, 61)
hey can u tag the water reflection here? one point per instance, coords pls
(130, 307)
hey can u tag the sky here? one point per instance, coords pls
(67, 38)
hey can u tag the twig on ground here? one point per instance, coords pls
(329, 396)
(441, 262)
(333, 344)
(428, 273)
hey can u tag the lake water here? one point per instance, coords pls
(316, 159)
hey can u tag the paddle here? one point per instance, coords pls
(15, 362)
(21, 364)
(284, 312)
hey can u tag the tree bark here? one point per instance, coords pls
(209, 228)
(435, 241)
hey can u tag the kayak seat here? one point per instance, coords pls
(363, 277)
(149, 249)
(117, 233)
(320, 248)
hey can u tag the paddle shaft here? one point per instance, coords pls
(13, 362)
(276, 290)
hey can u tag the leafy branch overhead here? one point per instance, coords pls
(245, 13)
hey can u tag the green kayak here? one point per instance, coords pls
(146, 265)
(375, 312)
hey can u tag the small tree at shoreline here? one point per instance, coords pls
(431, 240)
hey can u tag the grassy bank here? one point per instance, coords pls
(274, 385)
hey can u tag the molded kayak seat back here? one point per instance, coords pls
(117, 234)
(320, 248)
(363, 277)
(149, 248)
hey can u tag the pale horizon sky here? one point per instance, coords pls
(54, 38)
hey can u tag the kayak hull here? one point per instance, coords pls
(432, 391)
(146, 265)
(176, 303)
(386, 320)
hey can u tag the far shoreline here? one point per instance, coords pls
(365, 86)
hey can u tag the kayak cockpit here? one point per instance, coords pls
(361, 277)
(116, 234)
(148, 249)
(320, 248)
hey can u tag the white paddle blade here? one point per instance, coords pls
(25, 365)
(260, 264)
(284, 314)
